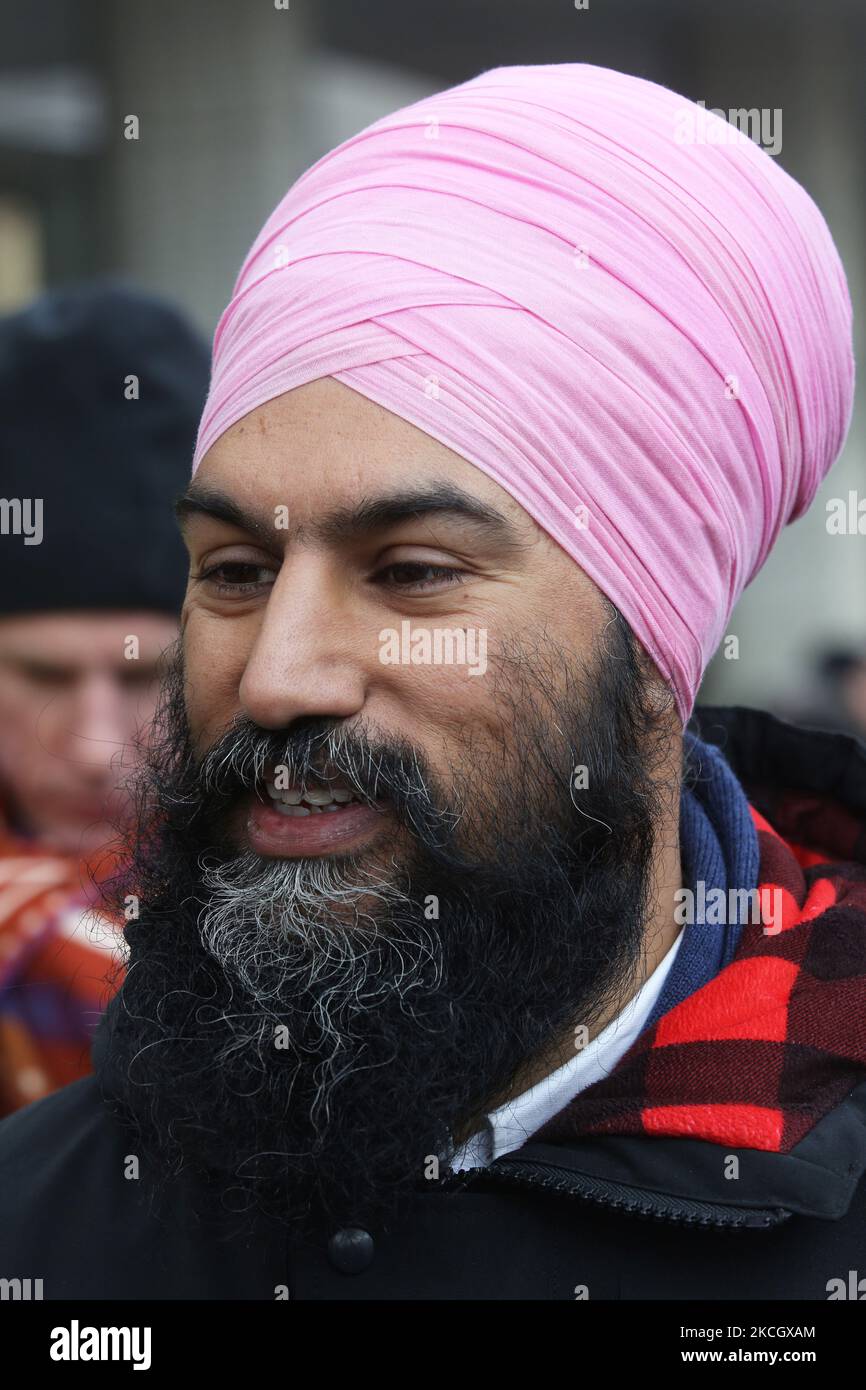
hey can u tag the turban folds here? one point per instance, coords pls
(646, 342)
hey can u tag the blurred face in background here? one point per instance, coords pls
(73, 700)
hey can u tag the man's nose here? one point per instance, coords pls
(309, 656)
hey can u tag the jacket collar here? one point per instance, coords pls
(767, 1061)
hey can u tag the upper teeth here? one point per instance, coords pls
(315, 796)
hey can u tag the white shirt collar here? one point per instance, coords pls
(517, 1120)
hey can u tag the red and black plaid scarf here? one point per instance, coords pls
(777, 1039)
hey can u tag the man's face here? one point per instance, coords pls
(75, 690)
(286, 622)
(318, 1002)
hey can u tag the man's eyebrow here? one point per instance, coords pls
(206, 501)
(346, 523)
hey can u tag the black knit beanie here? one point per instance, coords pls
(101, 390)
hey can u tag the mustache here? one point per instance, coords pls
(318, 752)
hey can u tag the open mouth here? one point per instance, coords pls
(313, 818)
(310, 801)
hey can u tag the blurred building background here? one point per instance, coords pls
(235, 98)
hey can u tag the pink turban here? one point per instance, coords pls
(646, 341)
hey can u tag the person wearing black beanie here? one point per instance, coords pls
(101, 389)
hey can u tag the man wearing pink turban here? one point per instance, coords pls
(512, 398)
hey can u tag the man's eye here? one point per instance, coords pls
(410, 574)
(236, 577)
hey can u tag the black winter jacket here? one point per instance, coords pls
(626, 1195)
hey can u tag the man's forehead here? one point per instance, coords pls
(333, 426)
(340, 464)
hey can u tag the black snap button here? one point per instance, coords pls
(351, 1250)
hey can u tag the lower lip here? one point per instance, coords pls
(326, 832)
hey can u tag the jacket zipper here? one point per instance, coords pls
(611, 1194)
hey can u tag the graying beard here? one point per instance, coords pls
(302, 921)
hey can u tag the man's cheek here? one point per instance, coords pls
(213, 671)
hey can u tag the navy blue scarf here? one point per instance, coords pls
(719, 845)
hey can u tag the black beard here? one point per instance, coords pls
(306, 1035)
